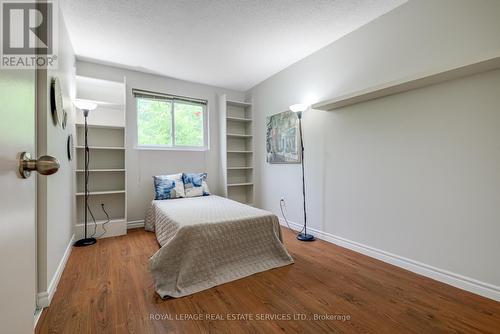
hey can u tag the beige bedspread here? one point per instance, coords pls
(210, 240)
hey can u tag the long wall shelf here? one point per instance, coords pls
(416, 81)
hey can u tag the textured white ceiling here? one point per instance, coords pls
(227, 43)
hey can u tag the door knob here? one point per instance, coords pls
(45, 165)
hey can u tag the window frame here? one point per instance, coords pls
(173, 147)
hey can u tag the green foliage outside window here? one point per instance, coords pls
(154, 123)
(154, 118)
(188, 124)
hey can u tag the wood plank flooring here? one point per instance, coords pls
(107, 288)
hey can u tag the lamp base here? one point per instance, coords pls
(305, 237)
(85, 242)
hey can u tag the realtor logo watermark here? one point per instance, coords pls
(29, 32)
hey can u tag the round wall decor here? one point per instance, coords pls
(69, 147)
(56, 101)
(65, 119)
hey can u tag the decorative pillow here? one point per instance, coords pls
(169, 186)
(195, 184)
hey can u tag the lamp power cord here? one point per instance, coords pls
(87, 165)
(283, 204)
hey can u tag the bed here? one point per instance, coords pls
(210, 240)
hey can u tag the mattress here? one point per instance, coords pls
(211, 240)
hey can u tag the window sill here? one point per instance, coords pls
(167, 148)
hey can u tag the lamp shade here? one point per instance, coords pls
(85, 105)
(298, 107)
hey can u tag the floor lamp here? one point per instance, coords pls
(86, 107)
(299, 109)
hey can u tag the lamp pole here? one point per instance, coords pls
(86, 241)
(303, 236)
(86, 160)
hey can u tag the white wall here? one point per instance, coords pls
(143, 164)
(55, 193)
(415, 174)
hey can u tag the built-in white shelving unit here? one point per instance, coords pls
(106, 137)
(237, 149)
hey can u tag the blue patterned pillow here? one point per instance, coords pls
(195, 184)
(168, 186)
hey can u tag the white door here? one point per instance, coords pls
(17, 202)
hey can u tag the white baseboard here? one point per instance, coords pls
(38, 314)
(45, 297)
(135, 224)
(462, 282)
(114, 228)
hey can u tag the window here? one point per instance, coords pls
(168, 122)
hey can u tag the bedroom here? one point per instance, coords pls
(180, 206)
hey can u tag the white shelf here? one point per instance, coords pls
(241, 152)
(238, 103)
(110, 192)
(239, 119)
(413, 82)
(100, 170)
(99, 126)
(90, 223)
(105, 104)
(244, 184)
(97, 81)
(239, 168)
(243, 202)
(101, 147)
(236, 135)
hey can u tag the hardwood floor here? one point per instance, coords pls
(107, 288)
